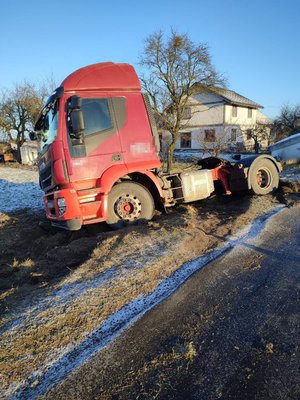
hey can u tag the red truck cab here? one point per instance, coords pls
(97, 130)
(100, 155)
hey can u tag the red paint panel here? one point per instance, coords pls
(103, 76)
(136, 136)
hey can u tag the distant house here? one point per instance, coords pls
(29, 152)
(221, 117)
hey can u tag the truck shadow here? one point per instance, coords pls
(280, 255)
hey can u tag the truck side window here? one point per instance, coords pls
(96, 116)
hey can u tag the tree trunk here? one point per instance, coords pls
(256, 145)
(170, 157)
(18, 154)
(19, 142)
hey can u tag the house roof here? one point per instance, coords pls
(234, 98)
(262, 119)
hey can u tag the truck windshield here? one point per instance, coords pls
(50, 122)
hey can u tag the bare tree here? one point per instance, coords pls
(213, 144)
(259, 133)
(19, 108)
(287, 123)
(176, 69)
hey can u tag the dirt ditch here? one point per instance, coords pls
(56, 287)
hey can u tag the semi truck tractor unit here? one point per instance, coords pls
(99, 158)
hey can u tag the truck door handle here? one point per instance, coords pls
(117, 157)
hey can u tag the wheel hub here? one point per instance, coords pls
(128, 207)
(263, 178)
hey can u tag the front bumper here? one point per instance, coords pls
(68, 225)
(81, 207)
(72, 209)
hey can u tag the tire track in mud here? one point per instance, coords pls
(50, 375)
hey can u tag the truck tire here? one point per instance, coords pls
(129, 202)
(264, 177)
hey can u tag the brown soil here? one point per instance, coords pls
(37, 260)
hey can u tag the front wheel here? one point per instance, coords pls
(264, 177)
(129, 202)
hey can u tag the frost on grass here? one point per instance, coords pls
(121, 276)
(117, 288)
(19, 189)
(291, 173)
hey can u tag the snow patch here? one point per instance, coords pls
(19, 189)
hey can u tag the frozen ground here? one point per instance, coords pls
(291, 173)
(51, 281)
(19, 189)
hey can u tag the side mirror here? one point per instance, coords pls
(75, 103)
(46, 123)
(77, 126)
(77, 121)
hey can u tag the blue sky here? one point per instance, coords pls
(255, 44)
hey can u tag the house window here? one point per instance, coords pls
(249, 134)
(209, 135)
(187, 113)
(233, 135)
(249, 112)
(185, 140)
(234, 111)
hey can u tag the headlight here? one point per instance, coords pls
(61, 206)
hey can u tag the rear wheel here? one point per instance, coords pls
(264, 177)
(129, 202)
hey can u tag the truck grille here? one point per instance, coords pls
(46, 178)
(50, 204)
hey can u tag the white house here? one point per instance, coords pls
(223, 118)
(29, 152)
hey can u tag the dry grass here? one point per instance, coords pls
(140, 258)
(150, 263)
(160, 371)
(27, 263)
(7, 293)
(4, 221)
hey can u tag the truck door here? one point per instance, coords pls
(101, 147)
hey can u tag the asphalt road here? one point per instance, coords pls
(232, 331)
